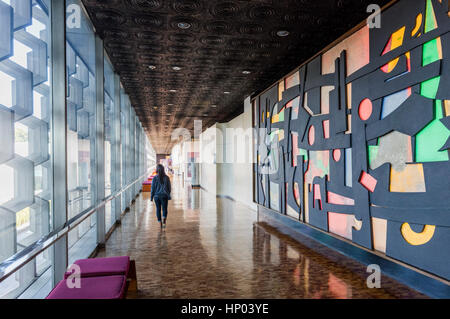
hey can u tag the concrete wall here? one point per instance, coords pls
(226, 158)
(236, 171)
(208, 168)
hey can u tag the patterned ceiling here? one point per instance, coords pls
(175, 74)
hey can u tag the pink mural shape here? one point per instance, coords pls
(365, 109)
(368, 181)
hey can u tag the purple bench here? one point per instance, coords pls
(97, 267)
(106, 287)
(101, 278)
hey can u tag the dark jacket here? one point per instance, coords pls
(161, 188)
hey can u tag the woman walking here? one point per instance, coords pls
(161, 193)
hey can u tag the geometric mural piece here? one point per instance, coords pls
(410, 180)
(311, 135)
(395, 41)
(368, 181)
(379, 227)
(340, 224)
(365, 109)
(381, 95)
(336, 155)
(394, 148)
(417, 238)
(393, 101)
(431, 138)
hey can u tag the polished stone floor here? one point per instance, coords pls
(214, 248)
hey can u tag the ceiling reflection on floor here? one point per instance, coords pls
(215, 248)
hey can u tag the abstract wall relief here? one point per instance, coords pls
(356, 142)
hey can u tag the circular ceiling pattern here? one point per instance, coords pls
(187, 6)
(212, 42)
(226, 9)
(218, 27)
(140, 5)
(149, 36)
(109, 18)
(149, 21)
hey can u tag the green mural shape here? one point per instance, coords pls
(430, 87)
(372, 152)
(435, 134)
(432, 138)
(303, 152)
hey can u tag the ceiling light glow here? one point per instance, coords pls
(184, 25)
(282, 33)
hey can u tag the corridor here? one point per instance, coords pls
(215, 248)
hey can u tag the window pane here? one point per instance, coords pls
(25, 130)
(109, 107)
(83, 239)
(81, 128)
(125, 127)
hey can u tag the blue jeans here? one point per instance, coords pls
(161, 202)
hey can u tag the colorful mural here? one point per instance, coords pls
(356, 141)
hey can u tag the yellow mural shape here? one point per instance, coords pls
(276, 118)
(417, 239)
(410, 180)
(397, 41)
(418, 24)
(447, 107)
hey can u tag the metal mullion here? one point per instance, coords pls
(100, 138)
(59, 134)
(129, 160)
(136, 154)
(117, 148)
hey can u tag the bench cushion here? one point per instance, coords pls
(108, 287)
(107, 266)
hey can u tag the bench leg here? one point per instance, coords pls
(132, 278)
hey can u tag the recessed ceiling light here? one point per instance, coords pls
(184, 25)
(176, 68)
(213, 105)
(226, 92)
(246, 72)
(282, 33)
(152, 67)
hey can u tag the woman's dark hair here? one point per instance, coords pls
(160, 171)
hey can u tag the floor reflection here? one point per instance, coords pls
(214, 248)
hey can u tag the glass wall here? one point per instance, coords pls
(109, 106)
(25, 130)
(81, 130)
(125, 125)
(26, 150)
